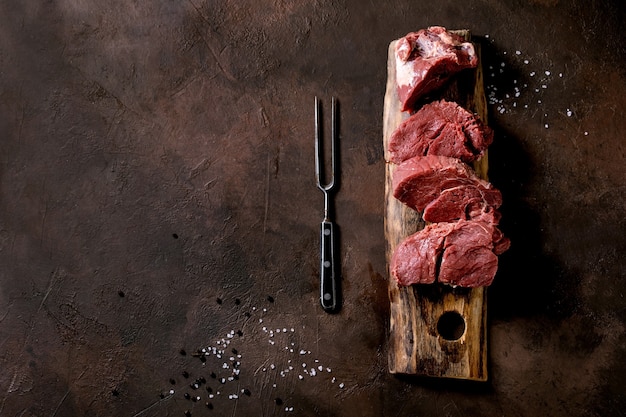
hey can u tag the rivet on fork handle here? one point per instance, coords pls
(328, 280)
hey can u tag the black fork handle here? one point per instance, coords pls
(328, 282)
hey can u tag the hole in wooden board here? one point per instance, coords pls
(451, 325)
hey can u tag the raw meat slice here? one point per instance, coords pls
(425, 61)
(416, 258)
(468, 259)
(463, 253)
(421, 180)
(440, 128)
(463, 202)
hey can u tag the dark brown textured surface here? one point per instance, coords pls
(158, 195)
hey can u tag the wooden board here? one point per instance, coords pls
(419, 342)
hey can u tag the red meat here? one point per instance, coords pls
(440, 128)
(425, 61)
(446, 187)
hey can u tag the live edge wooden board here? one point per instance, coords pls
(416, 345)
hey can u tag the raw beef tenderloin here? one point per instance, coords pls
(416, 258)
(440, 128)
(463, 253)
(463, 202)
(425, 61)
(446, 187)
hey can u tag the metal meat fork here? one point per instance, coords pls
(328, 281)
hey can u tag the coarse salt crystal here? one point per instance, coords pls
(548, 72)
(526, 61)
(341, 385)
(569, 113)
(518, 52)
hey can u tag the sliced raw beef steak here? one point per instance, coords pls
(425, 61)
(463, 254)
(470, 254)
(416, 258)
(440, 128)
(449, 188)
(463, 202)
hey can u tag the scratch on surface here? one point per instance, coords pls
(214, 53)
(9, 390)
(201, 166)
(263, 119)
(7, 312)
(185, 85)
(56, 410)
(263, 365)
(50, 284)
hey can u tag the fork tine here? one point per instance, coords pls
(319, 151)
(317, 142)
(333, 141)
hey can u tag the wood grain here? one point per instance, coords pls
(416, 346)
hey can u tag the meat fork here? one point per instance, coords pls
(328, 281)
